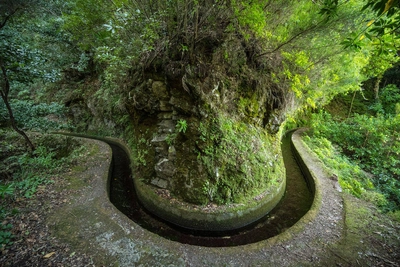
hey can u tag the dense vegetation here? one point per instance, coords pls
(200, 90)
(364, 142)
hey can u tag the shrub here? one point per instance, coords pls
(388, 101)
(372, 143)
(38, 117)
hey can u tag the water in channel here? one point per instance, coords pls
(295, 203)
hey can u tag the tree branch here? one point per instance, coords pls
(3, 23)
(4, 95)
(287, 42)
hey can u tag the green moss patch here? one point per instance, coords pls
(241, 160)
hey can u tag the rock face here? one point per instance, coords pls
(206, 127)
(194, 148)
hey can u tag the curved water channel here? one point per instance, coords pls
(295, 203)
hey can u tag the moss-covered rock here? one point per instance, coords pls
(210, 132)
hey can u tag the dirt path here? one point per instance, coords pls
(85, 229)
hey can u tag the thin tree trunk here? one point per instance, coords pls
(196, 25)
(351, 105)
(185, 21)
(4, 95)
(376, 87)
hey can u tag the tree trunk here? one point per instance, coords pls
(4, 95)
(376, 87)
(351, 105)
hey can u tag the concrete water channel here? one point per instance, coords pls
(294, 204)
(98, 228)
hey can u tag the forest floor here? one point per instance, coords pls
(66, 223)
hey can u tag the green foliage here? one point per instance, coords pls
(181, 126)
(6, 189)
(251, 16)
(378, 61)
(32, 52)
(140, 150)
(372, 143)
(388, 101)
(5, 235)
(34, 169)
(117, 35)
(125, 37)
(381, 29)
(249, 107)
(329, 8)
(32, 46)
(209, 190)
(316, 67)
(296, 68)
(29, 185)
(42, 158)
(38, 117)
(383, 6)
(87, 21)
(351, 177)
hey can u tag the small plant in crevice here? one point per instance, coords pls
(170, 139)
(209, 190)
(141, 154)
(140, 157)
(181, 126)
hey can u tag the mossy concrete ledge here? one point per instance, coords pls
(202, 218)
(312, 171)
(221, 218)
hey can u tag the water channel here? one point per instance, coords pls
(294, 205)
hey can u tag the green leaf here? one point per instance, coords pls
(6, 190)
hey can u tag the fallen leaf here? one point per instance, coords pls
(48, 255)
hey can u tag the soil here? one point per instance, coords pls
(72, 223)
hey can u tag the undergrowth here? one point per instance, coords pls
(21, 172)
(364, 152)
(37, 117)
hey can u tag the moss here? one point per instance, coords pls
(249, 107)
(142, 153)
(240, 159)
(92, 149)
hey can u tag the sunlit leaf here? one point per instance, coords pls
(48, 255)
